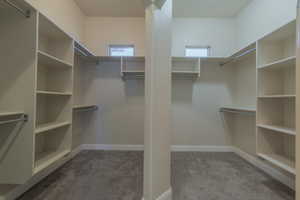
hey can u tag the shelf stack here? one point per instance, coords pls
(53, 131)
(276, 67)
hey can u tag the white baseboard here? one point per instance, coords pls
(182, 148)
(112, 147)
(167, 195)
(274, 173)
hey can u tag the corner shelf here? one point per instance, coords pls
(45, 159)
(50, 126)
(281, 129)
(280, 161)
(54, 93)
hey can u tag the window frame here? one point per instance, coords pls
(120, 46)
(197, 47)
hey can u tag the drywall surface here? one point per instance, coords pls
(66, 14)
(219, 33)
(196, 119)
(261, 17)
(100, 32)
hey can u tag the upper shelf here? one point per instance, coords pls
(51, 61)
(280, 64)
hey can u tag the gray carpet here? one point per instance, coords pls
(111, 175)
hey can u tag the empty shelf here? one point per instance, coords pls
(277, 96)
(290, 61)
(281, 129)
(54, 93)
(280, 161)
(50, 126)
(237, 108)
(45, 159)
(9, 114)
(51, 61)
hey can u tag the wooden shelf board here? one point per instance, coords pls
(54, 93)
(45, 159)
(281, 129)
(50, 126)
(286, 62)
(277, 96)
(280, 161)
(239, 108)
(8, 114)
(51, 61)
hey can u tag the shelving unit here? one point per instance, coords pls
(276, 96)
(186, 66)
(132, 67)
(53, 125)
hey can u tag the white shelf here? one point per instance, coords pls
(238, 108)
(54, 93)
(185, 72)
(276, 96)
(50, 126)
(281, 129)
(9, 114)
(133, 72)
(287, 62)
(280, 161)
(51, 61)
(45, 159)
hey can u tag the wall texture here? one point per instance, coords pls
(261, 17)
(219, 33)
(65, 14)
(101, 32)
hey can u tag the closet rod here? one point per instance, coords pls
(26, 13)
(238, 56)
(80, 51)
(237, 112)
(24, 118)
(92, 108)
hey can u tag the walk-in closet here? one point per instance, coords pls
(149, 100)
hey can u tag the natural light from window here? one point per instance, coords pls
(121, 50)
(197, 51)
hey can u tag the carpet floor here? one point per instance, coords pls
(116, 175)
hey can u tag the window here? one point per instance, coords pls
(197, 51)
(121, 50)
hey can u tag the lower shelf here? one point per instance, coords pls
(45, 159)
(280, 161)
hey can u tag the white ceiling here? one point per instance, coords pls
(181, 8)
(208, 8)
(112, 8)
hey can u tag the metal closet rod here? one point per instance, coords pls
(237, 112)
(26, 13)
(80, 51)
(24, 118)
(238, 56)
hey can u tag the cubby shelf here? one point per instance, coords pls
(48, 60)
(286, 62)
(50, 126)
(54, 93)
(280, 161)
(280, 129)
(45, 159)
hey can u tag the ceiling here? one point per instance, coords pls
(181, 8)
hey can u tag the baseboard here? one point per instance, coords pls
(182, 148)
(167, 195)
(274, 173)
(112, 147)
(21, 189)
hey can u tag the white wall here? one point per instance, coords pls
(219, 33)
(103, 31)
(261, 17)
(65, 14)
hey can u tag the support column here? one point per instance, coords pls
(157, 165)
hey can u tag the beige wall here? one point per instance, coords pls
(65, 13)
(101, 32)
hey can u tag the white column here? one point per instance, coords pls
(157, 166)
